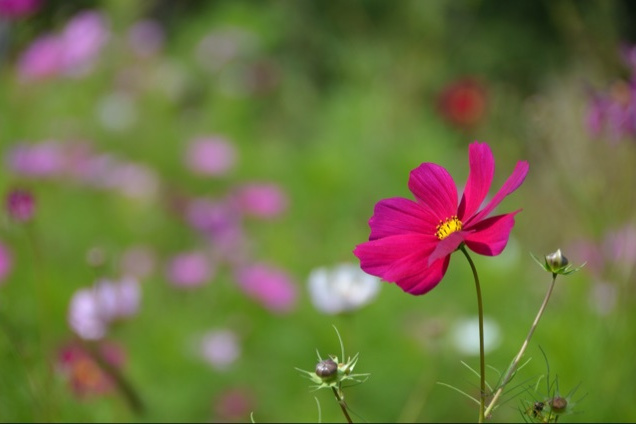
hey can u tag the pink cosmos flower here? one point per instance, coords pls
(17, 9)
(411, 241)
(20, 205)
(272, 287)
(261, 200)
(190, 269)
(213, 156)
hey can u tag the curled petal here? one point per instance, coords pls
(512, 183)
(482, 168)
(490, 236)
(433, 186)
(393, 256)
(400, 216)
(446, 246)
(425, 279)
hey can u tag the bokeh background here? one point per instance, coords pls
(209, 155)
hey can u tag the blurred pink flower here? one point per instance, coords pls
(20, 205)
(272, 287)
(92, 310)
(82, 372)
(17, 9)
(42, 59)
(45, 159)
(212, 156)
(233, 405)
(6, 262)
(190, 269)
(146, 37)
(73, 52)
(261, 200)
(220, 348)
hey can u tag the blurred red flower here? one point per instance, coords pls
(463, 103)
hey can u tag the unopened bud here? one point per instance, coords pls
(558, 404)
(326, 369)
(556, 260)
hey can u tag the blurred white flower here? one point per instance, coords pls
(93, 309)
(344, 287)
(220, 348)
(465, 335)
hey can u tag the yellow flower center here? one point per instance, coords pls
(447, 227)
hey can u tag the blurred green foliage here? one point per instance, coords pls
(352, 109)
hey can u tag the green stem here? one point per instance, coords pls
(342, 404)
(482, 356)
(524, 346)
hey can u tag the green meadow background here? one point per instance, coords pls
(351, 111)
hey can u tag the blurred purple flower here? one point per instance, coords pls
(6, 262)
(221, 224)
(189, 269)
(220, 348)
(92, 310)
(146, 37)
(20, 205)
(73, 52)
(82, 372)
(45, 159)
(271, 287)
(83, 39)
(261, 200)
(213, 156)
(17, 9)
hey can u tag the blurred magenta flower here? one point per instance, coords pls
(73, 52)
(18, 9)
(190, 269)
(6, 262)
(411, 241)
(272, 287)
(261, 200)
(342, 288)
(213, 156)
(220, 348)
(463, 102)
(82, 372)
(92, 310)
(42, 160)
(146, 37)
(20, 205)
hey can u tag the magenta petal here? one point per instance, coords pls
(433, 186)
(490, 236)
(511, 184)
(399, 216)
(392, 257)
(447, 246)
(425, 279)
(482, 168)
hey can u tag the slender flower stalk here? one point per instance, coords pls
(123, 385)
(515, 363)
(482, 355)
(342, 403)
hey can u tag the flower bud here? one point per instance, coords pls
(20, 205)
(326, 369)
(556, 260)
(558, 404)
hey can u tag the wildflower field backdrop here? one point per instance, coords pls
(184, 184)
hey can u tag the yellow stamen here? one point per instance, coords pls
(447, 227)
